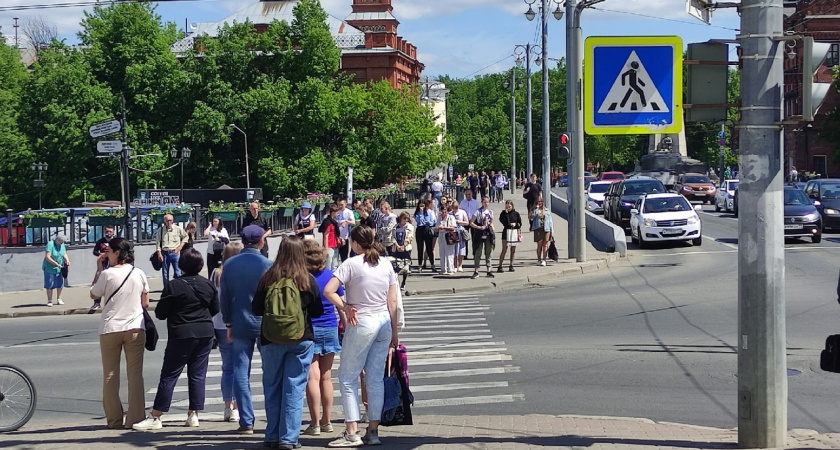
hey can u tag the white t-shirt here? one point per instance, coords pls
(124, 311)
(366, 286)
(214, 235)
(437, 186)
(469, 206)
(344, 230)
(460, 216)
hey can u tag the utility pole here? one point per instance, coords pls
(124, 171)
(546, 128)
(574, 119)
(762, 376)
(17, 42)
(529, 121)
(721, 145)
(512, 178)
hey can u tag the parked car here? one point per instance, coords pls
(664, 217)
(801, 217)
(826, 195)
(621, 197)
(613, 177)
(595, 196)
(725, 196)
(564, 178)
(695, 186)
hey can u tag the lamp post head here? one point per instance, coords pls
(558, 13)
(173, 153)
(185, 152)
(506, 84)
(530, 14)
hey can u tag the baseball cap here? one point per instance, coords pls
(306, 205)
(252, 234)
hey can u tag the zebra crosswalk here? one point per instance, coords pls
(453, 361)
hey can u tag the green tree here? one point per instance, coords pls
(15, 153)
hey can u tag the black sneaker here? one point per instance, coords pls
(474, 275)
(510, 269)
(499, 269)
(490, 275)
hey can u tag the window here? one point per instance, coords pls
(833, 57)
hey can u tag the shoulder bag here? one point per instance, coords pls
(151, 330)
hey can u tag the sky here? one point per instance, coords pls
(457, 38)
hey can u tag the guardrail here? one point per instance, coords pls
(599, 232)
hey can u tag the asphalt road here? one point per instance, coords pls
(652, 336)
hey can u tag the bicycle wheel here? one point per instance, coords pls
(17, 398)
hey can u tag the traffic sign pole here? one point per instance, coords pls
(124, 171)
(574, 119)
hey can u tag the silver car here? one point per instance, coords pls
(725, 196)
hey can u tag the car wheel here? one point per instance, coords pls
(642, 243)
(817, 238)
(698, 241)
(717, 206)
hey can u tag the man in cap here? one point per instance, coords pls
(236, 293)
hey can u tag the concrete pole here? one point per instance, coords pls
(546, 127)
(512, 178)
(574, 112)
(529, 125)
(722, 142)
(762, 376)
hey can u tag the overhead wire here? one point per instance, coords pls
(77, 4)
(647, 16)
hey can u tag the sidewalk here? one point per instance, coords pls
(77, 299)
(428, 432)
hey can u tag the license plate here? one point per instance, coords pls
(793, 227)
(672, 231)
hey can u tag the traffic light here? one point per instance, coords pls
(813, 93)
(563, 149)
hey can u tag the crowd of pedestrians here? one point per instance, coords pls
(346, 281)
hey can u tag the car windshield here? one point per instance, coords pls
(697, 179)
(598, 188)
(732, 186)
(667, 204)
(796, 197)
(646, 187)
(830, 190)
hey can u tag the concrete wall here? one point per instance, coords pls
(21, 267)
(604, 235)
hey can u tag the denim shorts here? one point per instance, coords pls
(326, 340)
(53, 281)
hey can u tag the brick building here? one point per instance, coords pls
(370, 46)
(803, 146)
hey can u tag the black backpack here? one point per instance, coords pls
(830, 357)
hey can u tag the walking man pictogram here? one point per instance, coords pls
(634, 83)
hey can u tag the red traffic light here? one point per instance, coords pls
(564, 139)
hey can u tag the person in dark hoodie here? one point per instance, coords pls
(188, 305)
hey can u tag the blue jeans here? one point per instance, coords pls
(285, 372)
(365, 346)
(242, 351)
(170, 258)
(226, 350)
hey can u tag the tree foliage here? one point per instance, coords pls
(304, 121)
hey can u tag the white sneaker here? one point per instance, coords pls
(192, 421)
(59, 302)
(149, 423)
(539, 262)
(542, 263)
(49, 304)
(460, 269)
(231, 415)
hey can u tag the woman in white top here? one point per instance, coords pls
(447, 251)
(121, 327)
(463, 221)
(370, 286)
(217, 237)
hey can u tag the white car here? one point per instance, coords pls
(725, 196)
(595, 196)
(664, 217)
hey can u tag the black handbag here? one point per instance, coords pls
(151, 332)
(830, 357)
(552, 251)
(156, 264)
(452, 237)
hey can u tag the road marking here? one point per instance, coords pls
(411, 332)
(454, 325)
(481, 319)
(657, 255)
(725, 244)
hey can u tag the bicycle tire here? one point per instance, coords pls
(17, 398)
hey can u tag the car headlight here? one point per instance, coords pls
(686, 188)
(817, 203)
(712, 189)
(693, 220)
(626, 204)
(650, 223)
(831, 211)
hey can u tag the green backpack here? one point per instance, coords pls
(283, 321)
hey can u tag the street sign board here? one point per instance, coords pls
(471, 167)
(700, 9)
(633, 85)
(105, 128)
(109, 146)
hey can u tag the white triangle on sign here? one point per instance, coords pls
(633, 91)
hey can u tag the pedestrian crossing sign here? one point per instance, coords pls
(633, 85)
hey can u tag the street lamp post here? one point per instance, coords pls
(185, 154)
(16, 26)
(528, 52)
(39, 167)
(512, 127)
(558, 14)
(247, 167)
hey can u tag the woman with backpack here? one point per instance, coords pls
(287, 298)
(371, 309)
(305, 222)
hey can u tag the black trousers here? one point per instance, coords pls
(344, 250)
(193, 353)
(425, 245)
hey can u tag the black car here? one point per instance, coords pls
(621, 197)
(801, 216)
(826, 195)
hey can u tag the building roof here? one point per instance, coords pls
(266, 12)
